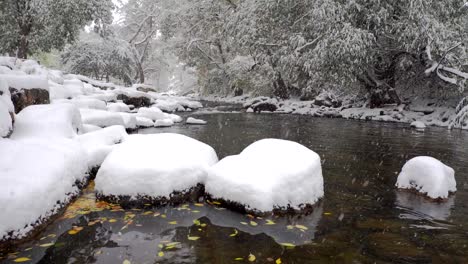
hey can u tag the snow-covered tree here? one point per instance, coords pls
(28, 26)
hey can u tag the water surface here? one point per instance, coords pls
(362, 219)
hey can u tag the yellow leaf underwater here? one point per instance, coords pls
(193, 238)
(234, 234)
(199, 204)
(278, 261)
(270, 222)
(126, 262)
(161, 254)
(112, 220)
(302, 227)
(239, 259)
(47, 245)
(19, 260)
(288, 245)
(173, 223)
(252, 223)
(252, 258)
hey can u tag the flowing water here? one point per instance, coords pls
(362, 218)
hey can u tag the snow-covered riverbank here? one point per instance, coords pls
(424, 111)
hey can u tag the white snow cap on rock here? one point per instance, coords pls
(35, 174)
(418, 125)
(144, 122)
(164, 123)
(21, 82)
(194, 121)
(155, 165)
(152, 113)
(118, 107)
(269, 173)
(48, 121)
(6, 107)
(429, 176)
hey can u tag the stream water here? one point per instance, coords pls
(362, 218)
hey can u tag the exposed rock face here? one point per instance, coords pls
(238, 92)
(26, 97)
(135, 101)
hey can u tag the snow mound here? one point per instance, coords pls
(20, 82)
(48, 121)
(428, 176)
(118, 107)
(144, 122)
(154, 165)
(99, 143)
(164, 123)
(6, 109)
(152, 113)
(84, 103)
(194, 121)
(269, 174)
(38, 178)
(130, 121)
(101, 118)
(90, 128)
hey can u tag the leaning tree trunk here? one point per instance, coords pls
(280, 88)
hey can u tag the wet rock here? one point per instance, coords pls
(138, 102)
(25, 97)
(378, 225)
(264, 107)
(328, 100)
(238, 92)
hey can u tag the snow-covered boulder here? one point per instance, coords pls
(101, 118)
(133, 97)
(152, 113)
(86, 103)
(428, 176)
(154, 166)
(164, 123)
(418, 125)
(90, 128)
(174, 118)
(48, 121)
(130, 121)
(38, 178)
(99, 144)
(194, 121)
(118, 107)
(269, 174)
(144, 122)
(7, 110)
(27, 90)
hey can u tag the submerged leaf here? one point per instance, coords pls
(173, 223)
(199, 204)
(234, 234)
(47, 245)
(23, 259)
(161, 254)
(252, 257)
(288, 245)
(302, 227)
(193, 238)
(126, 262)
(278, 261)
(252, 223)
(239, 259)
(270, 222)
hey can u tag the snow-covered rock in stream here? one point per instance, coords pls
(84, 103)
(154, 166)
(194, 121)
(118, 107)
(418, 125)
(90, 128)
(144, 122)
(101, 118)
(99, 144)
(152, 113)
(164, 123)
(27, 90)
(130, 121)
(269, 174)
(428, 176)
(38, 178)
(48, 121)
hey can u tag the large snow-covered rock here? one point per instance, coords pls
(118, 107)
(87, 103)
(144, 122)
(37, 178)
(152, 113)
(27, 90)
(428, 176)
(101, 118)
(48, 121)
(269, 174)
(154, 166)
(130, 121)
(194, 121)
(100, 143)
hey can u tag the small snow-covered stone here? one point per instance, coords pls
(118, 107)
(418, 125)
(428, 176)
(155, 166)
(194, 121)
(250, 110)
(269, 174)
(152, 113)
(164, 123)
(87, 103)
(130, 121)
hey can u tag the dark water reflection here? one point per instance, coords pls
(362, 218)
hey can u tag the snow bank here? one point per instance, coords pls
(428, 176)
(194, 121)
(20, 82)
(48, 121)
(269, 174)
(6, 109)
(90, 128)
(88, 103)
(164, 123)
(36, 174)
(98, 144)
(101, 118)
(154, 165)
(118, 107)
(130, 121)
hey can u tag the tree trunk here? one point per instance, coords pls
(23, 46)
(280, 87)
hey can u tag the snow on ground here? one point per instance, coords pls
(21, 82)
(100, 143)
(36, 174)
(101, 118)
(428, 176)
(6, 107)
(130, 121)
(90, 128)
(418, 125)
(269, 174)
(155, 165)
(152, 113)
(194, 121)
(87, 103)
(48, 121)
